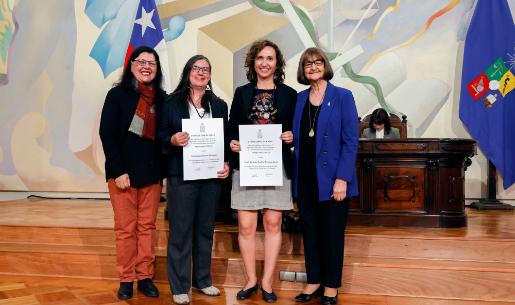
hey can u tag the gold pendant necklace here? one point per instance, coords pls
(312, 125)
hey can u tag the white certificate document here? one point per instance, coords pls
(261, 158)
(203, 157)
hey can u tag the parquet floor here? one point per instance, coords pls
(34, 290)
(99, 214)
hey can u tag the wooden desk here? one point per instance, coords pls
(402, 183)
(411, 182)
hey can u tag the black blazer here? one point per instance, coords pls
(286, 101)
(171, 123)
(117, 114)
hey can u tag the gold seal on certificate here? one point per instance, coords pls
(261, 161)
(203, 157)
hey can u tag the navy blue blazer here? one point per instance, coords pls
(171, 123)
(336, 142)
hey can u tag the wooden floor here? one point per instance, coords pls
(34, 290)
(63, 252)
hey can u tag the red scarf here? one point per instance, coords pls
(144, 121)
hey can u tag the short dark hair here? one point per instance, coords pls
(379, 117)
(127, 76)
(250, 58)
(183, 88)
(319, 54)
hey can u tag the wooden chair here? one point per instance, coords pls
(394, 122)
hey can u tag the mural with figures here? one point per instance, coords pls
(58, 59)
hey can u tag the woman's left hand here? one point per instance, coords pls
(224, 173)
(287, 137)
(339, 190)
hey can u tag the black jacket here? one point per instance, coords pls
(117, 114)
(286, 100)
(171, 123)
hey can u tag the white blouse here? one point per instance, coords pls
(380, 134)
(200, 114)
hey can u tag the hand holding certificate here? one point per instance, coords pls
(204, 154)
(261, 162)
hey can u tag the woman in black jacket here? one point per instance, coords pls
(128, 128)
(191, 204)
(264, 100)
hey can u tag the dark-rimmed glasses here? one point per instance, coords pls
(318, 63)
(197, 69)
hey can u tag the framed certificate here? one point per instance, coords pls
(203, 157)
(261, 159)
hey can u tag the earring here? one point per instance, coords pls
(207, 87)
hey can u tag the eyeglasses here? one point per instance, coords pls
(197, 69)
(142, 63)
(317, 63)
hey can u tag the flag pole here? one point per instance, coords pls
(491, 202)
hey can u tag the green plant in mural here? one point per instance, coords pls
(6, 29)
(276, 9)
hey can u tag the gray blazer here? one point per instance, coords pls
(394, 134)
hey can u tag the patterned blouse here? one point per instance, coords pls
(263, 110)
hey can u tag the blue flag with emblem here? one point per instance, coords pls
(487, 102)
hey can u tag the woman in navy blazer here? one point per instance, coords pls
(325, 137)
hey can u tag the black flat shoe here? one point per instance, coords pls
(147, 288)
(125, 291)
(245, 294)
(269, 297)
(329, 300)
(305, 297)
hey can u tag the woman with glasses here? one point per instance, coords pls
(264, 100)
(191, 204)
(128, 129)
(325, 137)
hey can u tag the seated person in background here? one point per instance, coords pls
(380, 127)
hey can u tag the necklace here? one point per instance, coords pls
(151, 106)
(198, 113)
(312, 125)
(266, 115)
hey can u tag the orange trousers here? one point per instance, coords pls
(135, 213)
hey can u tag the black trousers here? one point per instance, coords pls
(191, 214)
(323, 230)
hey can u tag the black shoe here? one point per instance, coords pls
(304, 297)
(245, 294)
(125, 291)
(269, 297)
(330, 300)
(147, 287)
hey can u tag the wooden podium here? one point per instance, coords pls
(402, 183)
(411, 182)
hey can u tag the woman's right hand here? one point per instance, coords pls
(235, 146)
(123, 182)
(180, 139)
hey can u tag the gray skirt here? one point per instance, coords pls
(261, 197)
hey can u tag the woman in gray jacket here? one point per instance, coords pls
(380, 127)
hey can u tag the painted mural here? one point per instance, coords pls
(58, 59)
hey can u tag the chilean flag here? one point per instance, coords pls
(147, 31)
